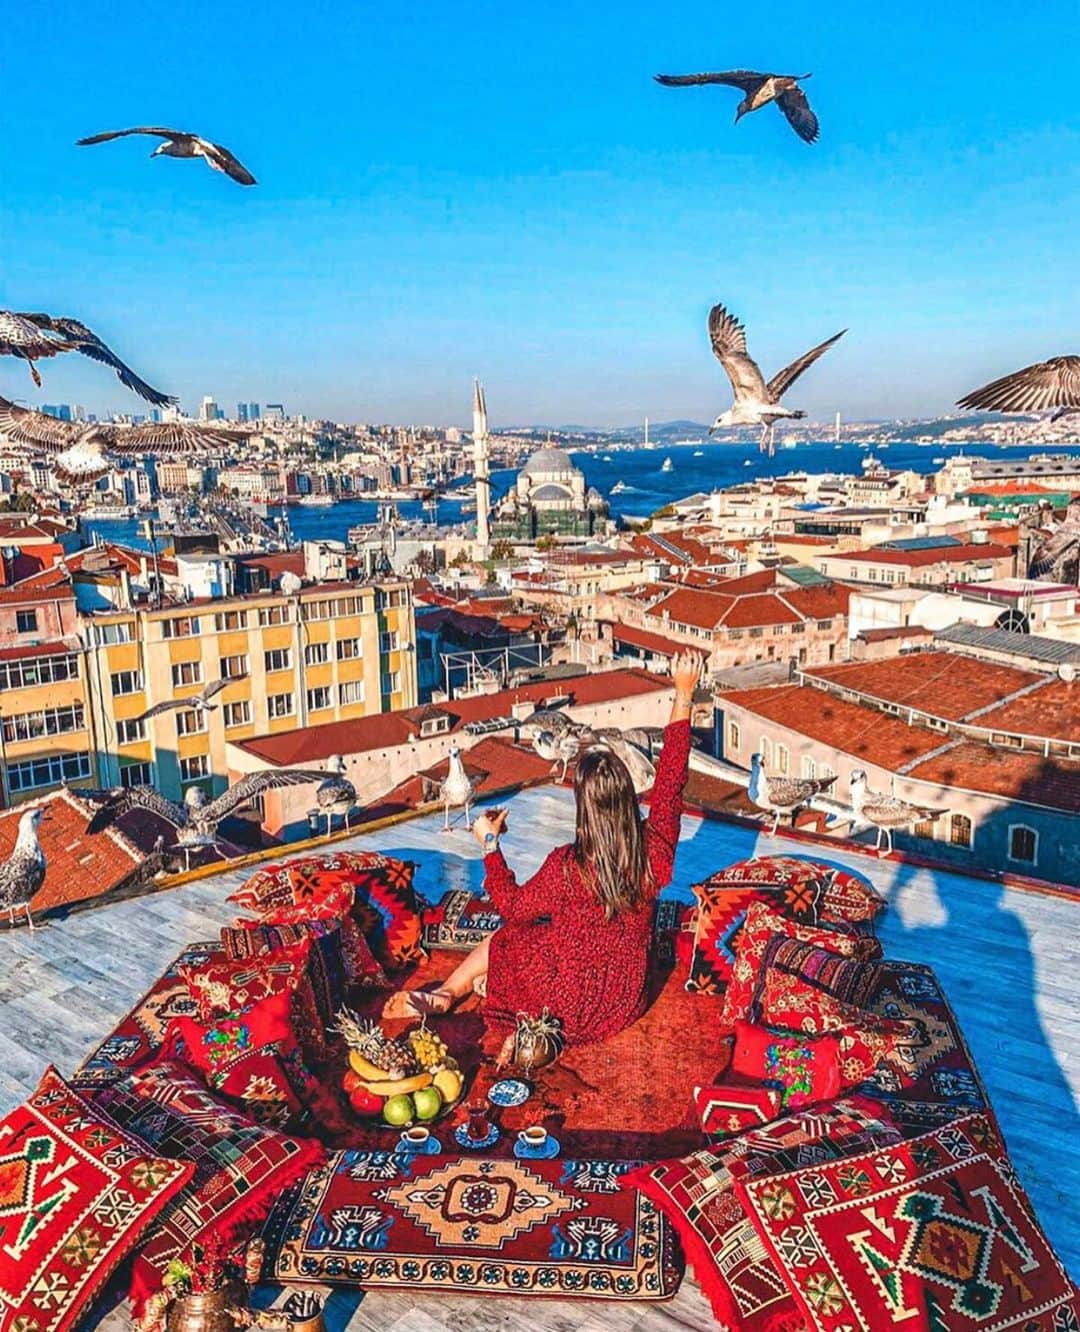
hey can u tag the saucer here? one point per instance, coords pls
(525, 1153)
(509, 1091)
(433, 1147)
(461, 1137)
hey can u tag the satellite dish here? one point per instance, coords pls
(1016, 622)
(290, 583)
(1067, 672)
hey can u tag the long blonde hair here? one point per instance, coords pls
(609, 843)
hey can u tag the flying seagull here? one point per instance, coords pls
(756, 403)
(886, 813)
(78, 448)
(760, 90)
(35, 337)
(179, 144)
(196, 820)
(197, 703)
(23, 873)
(1052, 385)
(782, 795)
(336, 794)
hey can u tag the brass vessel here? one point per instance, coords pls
(207, 1311)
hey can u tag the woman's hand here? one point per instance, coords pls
(685, 673)
(488, 826)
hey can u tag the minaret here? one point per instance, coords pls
(480, 470)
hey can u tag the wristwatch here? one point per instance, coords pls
(490, 840)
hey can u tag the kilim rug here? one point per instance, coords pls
(473, 1225)
(931, 1235)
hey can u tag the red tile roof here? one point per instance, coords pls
(1053, 711)
(641, 638)
(1003, 772)
(78, 865)
(55, 648)
(704, 610)
(935, 555)
(389, 729)
(47, 585)
(716, 607)
(493, 764)
(944, 684)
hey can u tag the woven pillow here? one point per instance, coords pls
(761, 926)
(336, 904)
(803, 1069)
(732, 1107)
(802, 970)
(294, 881)
(387, 909)
(808, 893)
(804, 1008)
(932, 1235)
(459, 921)
(77, 1194)
(239, 1166)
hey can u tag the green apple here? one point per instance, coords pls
(398, 1110)
(428, 1102)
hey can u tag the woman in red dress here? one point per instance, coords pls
(575, 937)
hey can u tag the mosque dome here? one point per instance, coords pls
(550, 462)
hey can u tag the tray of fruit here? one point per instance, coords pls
(407, 1079)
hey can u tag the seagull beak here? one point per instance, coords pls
(712, 430)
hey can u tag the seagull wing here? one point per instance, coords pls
(159, 708)
(783, 379)
(746, 79)
(20, 337)
(254, 784)
(35, 430)
(212, 690)
(87, 342)
(728, 338)
(789, 791)
(891, 811)
(799, 115)
(158, 131)
(1036, 388)
(120, 800)
(174, 437)
(221, 159)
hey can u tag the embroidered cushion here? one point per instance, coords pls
(77, 1193)
(239, 1166)
(336, 904)
(806, 892)
(797, 969)
(459, 920)
(761, 925)
(732, 1107)
(802, 1069)
(932, 1234)
(305, 879)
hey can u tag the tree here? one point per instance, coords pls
(502, 550)
(547, 542)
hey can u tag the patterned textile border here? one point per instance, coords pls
(473, 1225)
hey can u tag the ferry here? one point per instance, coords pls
(316, 501)
(104, 513)
(699, 453)
(606, 458)
(619, 488)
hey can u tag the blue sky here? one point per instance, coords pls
(501, 189)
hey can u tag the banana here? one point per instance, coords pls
(396, 1087)
(364, 1068)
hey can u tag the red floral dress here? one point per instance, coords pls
(557, 950)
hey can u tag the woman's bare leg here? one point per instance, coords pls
(461, 982)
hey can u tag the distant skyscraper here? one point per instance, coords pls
(241, 411)
(481, 471)
(253, 411)
(274, 412)
(208, 409)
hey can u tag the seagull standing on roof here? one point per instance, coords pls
(456, 790)
(782, 795)
(756, 403)
(1052, 385)
(197, 703)
(180, 144)
(23, 873)
(887, 813)
(336, 795)
(35, 337)
(760, 90)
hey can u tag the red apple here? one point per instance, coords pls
(350, 1082)
(365, 1102)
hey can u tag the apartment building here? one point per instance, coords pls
(926, 562)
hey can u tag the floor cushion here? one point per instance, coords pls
(761, 925)
(802, 1069)
(77, 1193)
(801, 973)
(239, 1166)
(459, 920)
(473, 1225)
(697, 1194)
(335, 905)
(735, 1105)
(301, 879)
(930, 1234)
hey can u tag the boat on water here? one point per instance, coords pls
(606, 458)
(747, 463)
(938, 461)
(699, 453)
(667, 466)
(316, 501)
(106, 513)
(619, 488)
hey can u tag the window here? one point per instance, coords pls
(127, 732)
(757, 633)
(827, 772)
(388, 640)
(237, 714)
(193, 769)
(766, 751)
(960, 831)
(234, 668)
(49, 721)
(782, 759)
(435, 725)
(191, 722)
(734, 634)
(809, 767)
(26, 621)
(126, 682)
(391, 682)
(924, 829)
(279, 705)
(1023, 844)
(278, 659)
(186, 673)
(316, 654)
(50, 771)
(38, 670)
(799, 628)
(348, 649)
(136, 774)
(734, 736)
(183, 626)
(330, 610)
(113, 633)
(824, 624)
(319, 698)
(273, 615)
(236, 619)
(352, 691)
(387, 600)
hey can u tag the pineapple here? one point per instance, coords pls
(367, 1039)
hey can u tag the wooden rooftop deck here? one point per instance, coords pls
(1008, 960)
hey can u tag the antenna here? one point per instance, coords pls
(646, 432)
